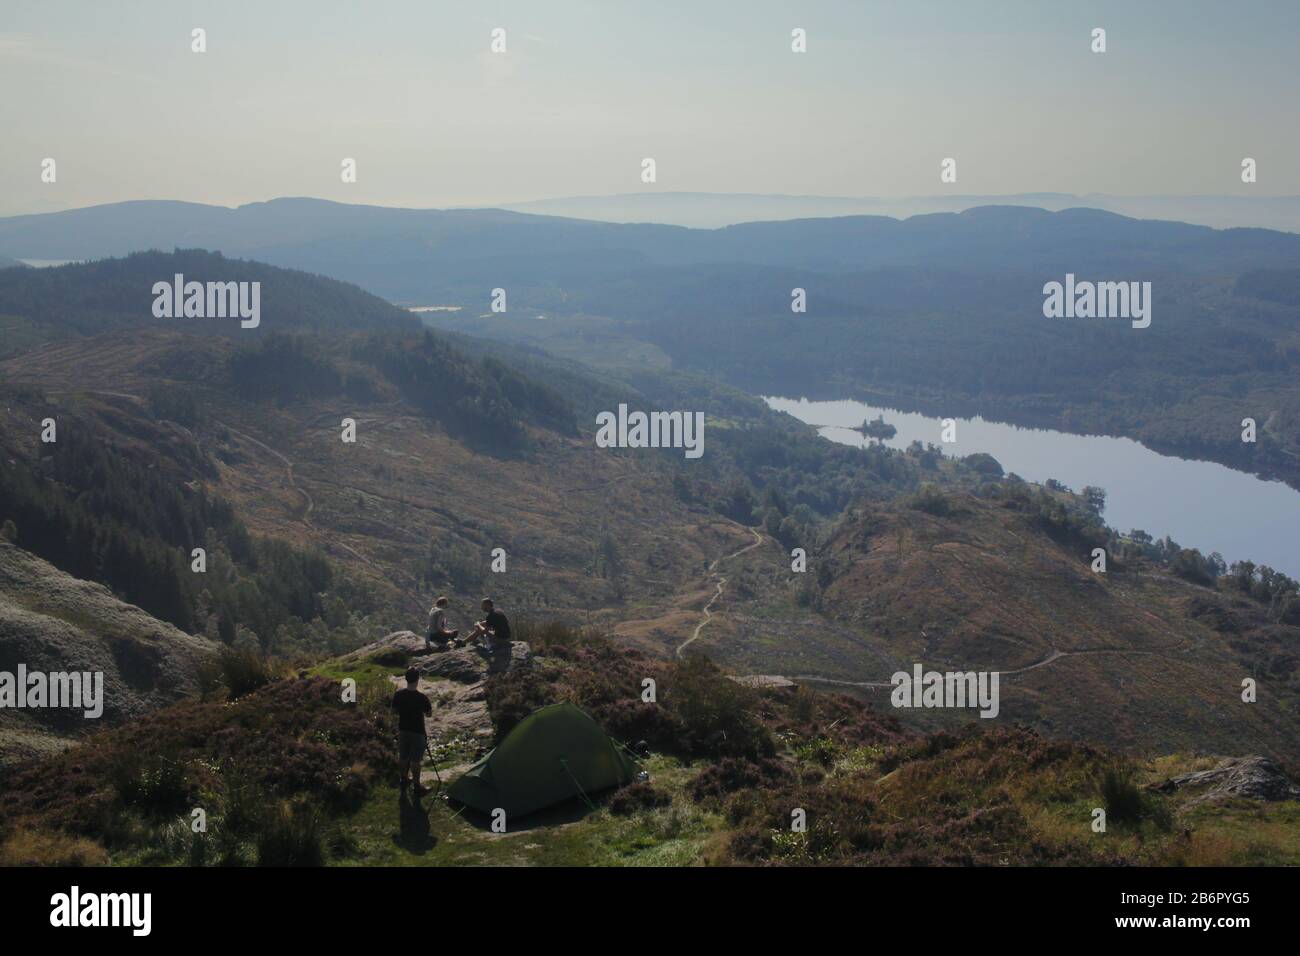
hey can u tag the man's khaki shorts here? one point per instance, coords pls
(410, 746)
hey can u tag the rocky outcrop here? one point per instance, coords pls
(464, 665)
(392, 650)
(468, 665)
(454, 680)
(1247, 778)
(53, 622)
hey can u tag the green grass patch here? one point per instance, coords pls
(387, 832)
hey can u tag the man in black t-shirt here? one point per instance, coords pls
(494, 629)
(411, 707)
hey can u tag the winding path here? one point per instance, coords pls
(721, 582)
(719, 585)
(1054, 656)
(305, 518)
(288, 468)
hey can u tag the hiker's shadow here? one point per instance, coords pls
(415, 835)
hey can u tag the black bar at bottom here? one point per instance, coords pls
(380, 906)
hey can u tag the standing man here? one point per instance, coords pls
(412, 707)
(438, 632)
(492, 629)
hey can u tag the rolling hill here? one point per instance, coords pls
(117, 294)
(463, 448)
(939, 312)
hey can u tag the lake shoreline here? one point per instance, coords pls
(1264, 462)
(1199, 503)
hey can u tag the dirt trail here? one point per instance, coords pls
(1051, 658)
(719, 585)
(721, 582)
(412, 595)
(288, 469)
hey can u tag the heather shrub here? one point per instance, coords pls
(736, 773)
(291, 739)
(718, 717)
(925, 747)
(153, 783)
(242, 671)
(514, 695)
(636, 797)
(699, 712)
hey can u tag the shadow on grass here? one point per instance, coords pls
(415, 835)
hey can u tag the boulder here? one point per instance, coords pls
(464, 665)
(468, 665)
(392, 650)
(1249, 778)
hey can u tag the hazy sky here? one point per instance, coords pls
(710, 89)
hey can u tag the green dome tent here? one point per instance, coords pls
(555, 753)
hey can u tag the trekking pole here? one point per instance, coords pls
(428, 749)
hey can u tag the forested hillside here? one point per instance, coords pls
(93, 297)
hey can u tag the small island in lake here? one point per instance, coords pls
(877, 428)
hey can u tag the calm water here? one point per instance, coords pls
(1197, 503)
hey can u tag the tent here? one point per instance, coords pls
(555, 753)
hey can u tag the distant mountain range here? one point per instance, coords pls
(425, 256)
(711, 210)
(944, 308)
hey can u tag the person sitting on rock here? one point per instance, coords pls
(411, 707)
(493, 629)
(438, 633)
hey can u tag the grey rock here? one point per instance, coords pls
(53, 622)
(1249, 778)
(468, 665)
(464, 665)
(393, 649)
